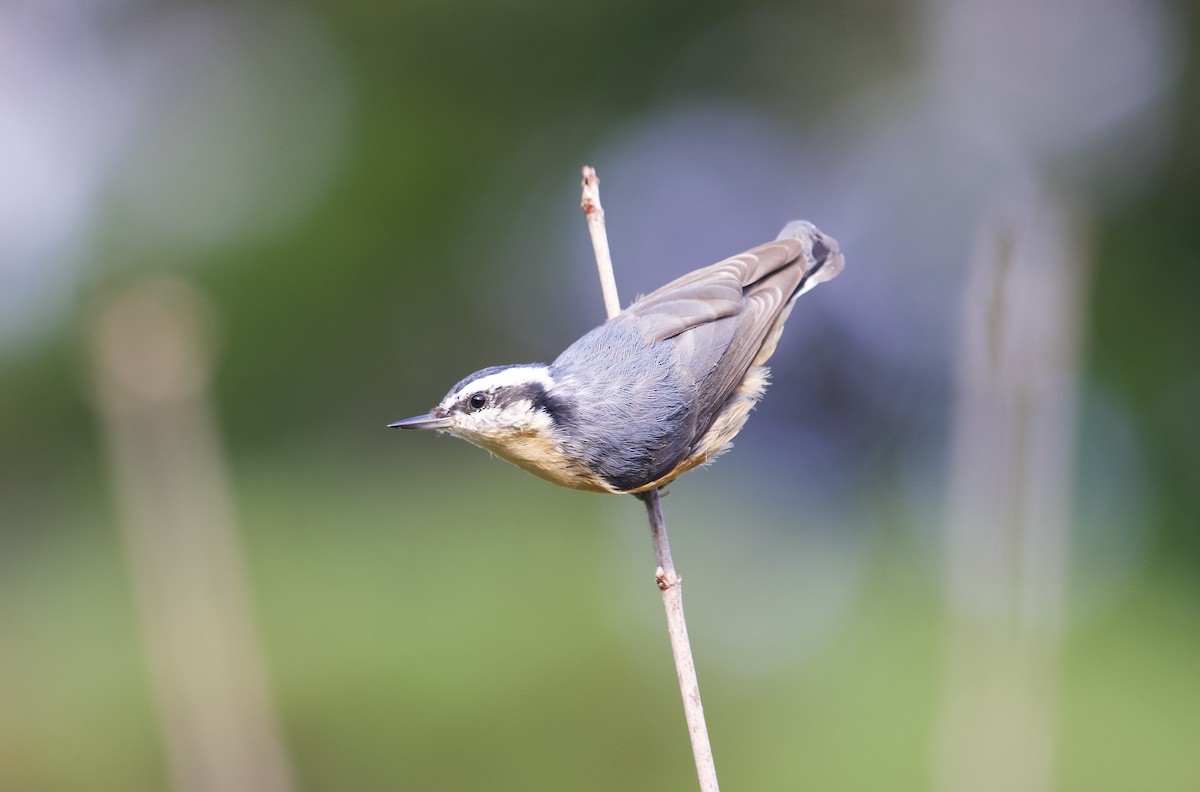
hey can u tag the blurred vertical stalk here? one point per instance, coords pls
(152, 372)
(1009, 507)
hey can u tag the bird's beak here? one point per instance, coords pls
(426, 421)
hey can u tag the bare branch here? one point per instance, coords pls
(668, 581)
(671, 585)
(595, 219)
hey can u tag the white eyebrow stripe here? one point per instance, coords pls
(517, 375)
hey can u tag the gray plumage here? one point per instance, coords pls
(672, 360)
(659, 388)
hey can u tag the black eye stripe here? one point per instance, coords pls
(508, 395)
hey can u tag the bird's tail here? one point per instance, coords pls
(821, 250)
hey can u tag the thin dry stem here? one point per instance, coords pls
(689, 687)
(595, 219)
(666, 578)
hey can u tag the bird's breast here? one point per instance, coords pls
(534, 453)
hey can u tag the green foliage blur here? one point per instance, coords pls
(434, 619)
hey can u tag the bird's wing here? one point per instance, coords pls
(720, 316)
(708, 294)
(727, 317)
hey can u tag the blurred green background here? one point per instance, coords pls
(349, 206)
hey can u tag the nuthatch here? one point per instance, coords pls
(662, 387)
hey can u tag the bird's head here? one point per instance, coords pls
(518, 414)
(495, 407)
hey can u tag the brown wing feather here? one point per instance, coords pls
(765, 305)
(711, 293)
(720, 317)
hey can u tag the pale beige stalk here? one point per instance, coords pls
(668, 581)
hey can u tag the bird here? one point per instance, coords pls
(657, 390)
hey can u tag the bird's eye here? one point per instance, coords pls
(477, 401)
